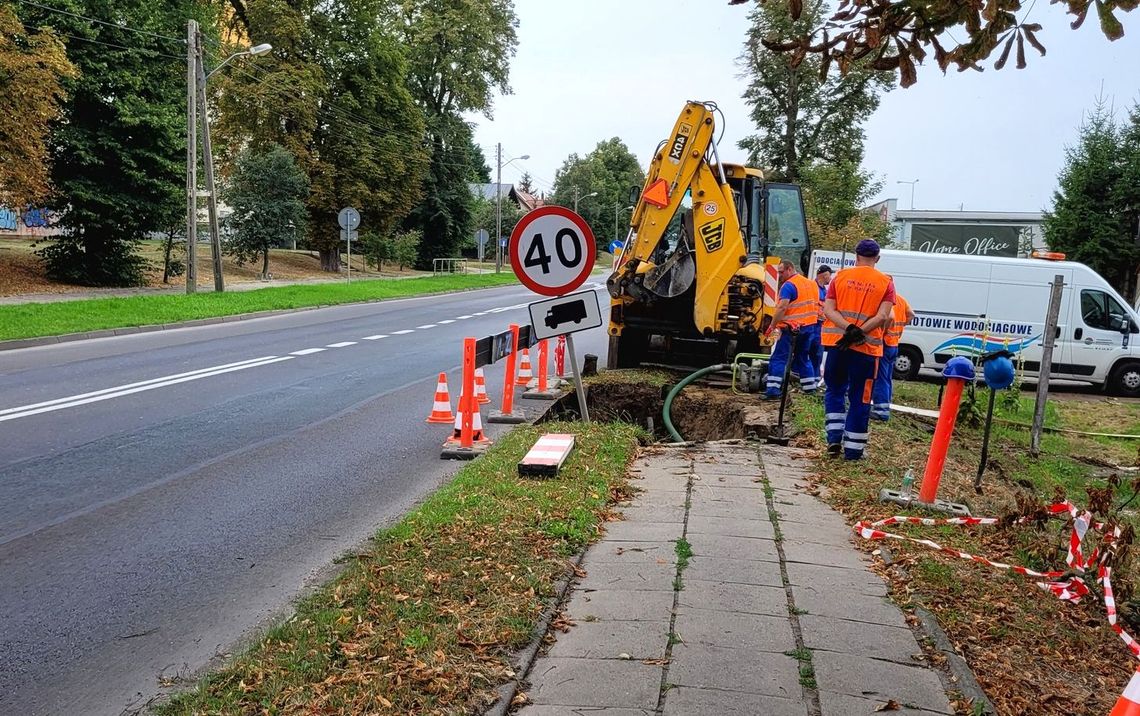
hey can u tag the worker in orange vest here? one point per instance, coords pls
(901, 315)
(796, 316)
(858, 307)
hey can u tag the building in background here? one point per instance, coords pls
(975, 233)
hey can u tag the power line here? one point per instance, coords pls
(117, 26)
(147, 50)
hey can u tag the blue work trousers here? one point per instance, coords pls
(881, 395)
(849, 378)
(801, 363)
(815, 350)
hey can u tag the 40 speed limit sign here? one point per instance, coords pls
(552, 250)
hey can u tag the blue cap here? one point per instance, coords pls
(867, 247)
(959, 367)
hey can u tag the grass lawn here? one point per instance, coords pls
(1021, 641)
(424, 618)
(30, 320)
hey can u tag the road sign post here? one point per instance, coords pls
(349, 220)
(552, 251)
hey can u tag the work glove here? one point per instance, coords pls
(852, 336)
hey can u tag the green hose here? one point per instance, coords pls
(677, 389)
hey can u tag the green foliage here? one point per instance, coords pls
(1095, 208)
(119, 152)
(28, 59)
(406, 247)
(810, 123)
(483, 217)
(267, 194)
(611, 170)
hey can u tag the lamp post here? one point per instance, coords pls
(912, 183)
(499, 164)
(576, 197)
(196, 80)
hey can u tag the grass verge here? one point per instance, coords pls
(424, 619)
(1020, 641)
(31, 320)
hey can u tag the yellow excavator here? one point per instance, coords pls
(689, 287)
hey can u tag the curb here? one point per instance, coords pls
(963, 677)
(17, 343)
(529, 654)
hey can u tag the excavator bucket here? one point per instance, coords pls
(657, 194)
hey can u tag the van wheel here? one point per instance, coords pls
(907, 363)
(1125, 380)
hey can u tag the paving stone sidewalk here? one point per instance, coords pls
(774, 614)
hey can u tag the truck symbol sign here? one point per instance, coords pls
(573, 311)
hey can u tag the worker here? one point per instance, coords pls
(901, 315)
(796, 315)
(815, 346)
(857, 308)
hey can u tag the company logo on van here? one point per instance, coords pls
(980, 344)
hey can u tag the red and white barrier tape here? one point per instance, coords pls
(1070, 590)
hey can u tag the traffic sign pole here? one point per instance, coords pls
(577, 378)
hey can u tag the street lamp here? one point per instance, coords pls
(499, 164)
(576, 198)
(912, 183)
(196, 77)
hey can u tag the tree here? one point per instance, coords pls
(267, 193)
(459, 53)
(833, 195)
(119, 152)
(37, 62)
(526, 183)
(805, 116)
(895, 34)
(1091, 217)
(611, 170)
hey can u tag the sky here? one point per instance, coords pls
(590, 70)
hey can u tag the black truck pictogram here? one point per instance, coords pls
(573, 311)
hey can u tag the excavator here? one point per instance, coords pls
(695, 283)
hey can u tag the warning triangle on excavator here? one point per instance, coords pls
(657, 194)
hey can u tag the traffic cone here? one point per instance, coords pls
(477, 435)
(1129, 702)
(441, 409)
(481, 387)
(525, 373)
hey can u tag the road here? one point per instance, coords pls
(165, 495)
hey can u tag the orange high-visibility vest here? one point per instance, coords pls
(804, 311)
(893, 334)
(859, 291)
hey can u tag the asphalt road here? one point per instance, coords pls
(164, 495)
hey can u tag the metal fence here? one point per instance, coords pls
(442, 266)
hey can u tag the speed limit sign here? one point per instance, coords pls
(552, 250)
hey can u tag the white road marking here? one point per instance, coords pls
(481, 313)
(376, 337)
(425, 326)
(462, 318)
(342, 344)
(307, 351)
(403, 332)
(108, 393)
(446, 321)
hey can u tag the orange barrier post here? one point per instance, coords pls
(543, 357)
(542, 391)
(1129, 702)
(525, 372)
(958, 370)
(441, 409)
(468, 424)
(508, 414)
(481, 387)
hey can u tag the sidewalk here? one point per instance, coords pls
(775, 612)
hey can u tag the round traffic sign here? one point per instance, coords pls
(552, 250)
(348, 218)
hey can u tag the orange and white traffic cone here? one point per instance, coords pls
(481, 387)
(477, 434)
(525, 373)
(441, 409)
(1129, 702)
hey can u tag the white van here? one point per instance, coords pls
(970, 305)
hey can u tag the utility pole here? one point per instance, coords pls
(191, 157)
(1049, 337)
(498, 207)
(208, 161)
(576, 192)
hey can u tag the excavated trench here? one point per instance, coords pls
(705, 410)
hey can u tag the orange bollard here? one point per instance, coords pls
(467, 399)
(958, 370)
(1129, 702)
(543, 357)
(509, 378)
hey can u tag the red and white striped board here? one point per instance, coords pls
(547, 455)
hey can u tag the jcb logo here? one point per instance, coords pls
(677, 148)
(713, 235)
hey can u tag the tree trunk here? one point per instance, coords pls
(166, 256)
(330, 260)
(265, 265)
